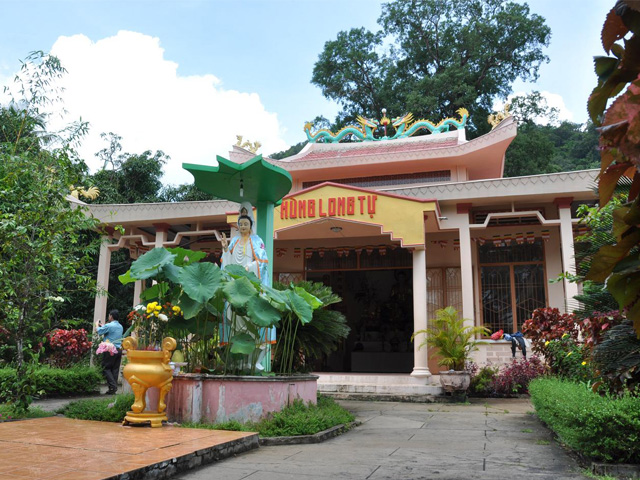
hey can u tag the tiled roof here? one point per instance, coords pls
(385, 148)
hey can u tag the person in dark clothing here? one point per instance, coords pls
(112, 332)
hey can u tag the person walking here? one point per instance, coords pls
(112, 332)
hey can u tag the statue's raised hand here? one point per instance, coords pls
(224, 242)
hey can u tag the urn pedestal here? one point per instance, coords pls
(145, 369)
(455, 382)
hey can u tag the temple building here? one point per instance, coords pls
(399, 228)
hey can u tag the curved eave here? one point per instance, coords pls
(150, 213)
(539, 188)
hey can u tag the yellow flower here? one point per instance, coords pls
(565, 335)
(151, 307)
(569, 353)
(546, 343)
(176, 309)
(584, 363)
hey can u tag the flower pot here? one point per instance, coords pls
(145, 369)
(455, 382)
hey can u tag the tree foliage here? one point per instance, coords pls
(42, 257)
(444, 55)
(132, 178)
(545, 145)
(619, 77)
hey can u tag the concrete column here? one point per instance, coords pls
(466, 263)
(466, 274)
(161, 234)
(102, 280)
(264, 229)
(420, 356)
(567, 248)
(137, 291)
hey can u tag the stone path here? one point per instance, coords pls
(487, 439)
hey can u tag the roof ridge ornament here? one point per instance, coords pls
(496, 118)
(405, 127)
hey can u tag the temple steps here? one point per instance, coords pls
(390, 387)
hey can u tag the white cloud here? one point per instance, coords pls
(554, 100)
(123, 84)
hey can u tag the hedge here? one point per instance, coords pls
(61, 382)
(603, 428)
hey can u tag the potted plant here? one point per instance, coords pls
(148, 355)
(453, 342)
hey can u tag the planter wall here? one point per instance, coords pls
(216, 398)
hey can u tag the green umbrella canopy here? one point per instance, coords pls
(261, 181)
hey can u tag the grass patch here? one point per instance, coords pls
(293, 420)
(526, 430)
(542, 442)
(108, 409)
(8, 413)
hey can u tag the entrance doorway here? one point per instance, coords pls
(378, 305)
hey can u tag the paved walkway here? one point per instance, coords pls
(487, 439)
(66, 449)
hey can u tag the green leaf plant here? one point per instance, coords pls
(450, 338)
(208, 298)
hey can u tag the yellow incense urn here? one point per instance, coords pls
(145, 369)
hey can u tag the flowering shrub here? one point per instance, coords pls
(568, 359)
(150, 323)
(548, 324)
(515, 377)
(594, 327)
(67, 346)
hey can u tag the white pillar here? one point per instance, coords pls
(568, 253)
(420, 356)
(102, 280)
(137, 291)
(466, 274)
(161, 234)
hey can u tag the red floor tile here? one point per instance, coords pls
(60, 448)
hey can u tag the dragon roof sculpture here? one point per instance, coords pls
(405, 127)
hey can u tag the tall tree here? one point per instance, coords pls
(444, 54)
(42, 257)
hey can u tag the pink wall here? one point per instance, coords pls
(213, 398)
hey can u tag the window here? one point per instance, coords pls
(512, 283)
(444, 288)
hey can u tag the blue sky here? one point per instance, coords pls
(187, 76)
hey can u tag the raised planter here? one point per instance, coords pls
(216, 398)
